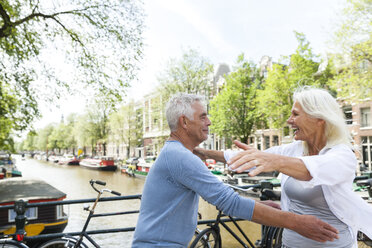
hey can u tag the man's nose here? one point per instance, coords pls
(208, 122)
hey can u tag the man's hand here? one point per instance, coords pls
(271, 204)
(306, 225)
(315, 229)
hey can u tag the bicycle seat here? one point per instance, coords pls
(367, 183)
(269, 194)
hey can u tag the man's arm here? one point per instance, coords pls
(204, 154)
(306, 225)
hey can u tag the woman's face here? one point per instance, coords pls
(305, 127)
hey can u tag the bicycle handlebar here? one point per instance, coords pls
(97, 182)
(92, 182)
(115, 193)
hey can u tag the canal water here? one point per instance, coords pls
(74, 181)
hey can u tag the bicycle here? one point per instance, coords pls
(367, 186)
(270, 236)
(72, 242)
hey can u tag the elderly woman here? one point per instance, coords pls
(318, 169)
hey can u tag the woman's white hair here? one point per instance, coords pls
(181, 104)
(318, 103)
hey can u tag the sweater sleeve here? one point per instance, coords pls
(193, 174)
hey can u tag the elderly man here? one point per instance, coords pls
(169, 206)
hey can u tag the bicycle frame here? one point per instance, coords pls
(233, 220)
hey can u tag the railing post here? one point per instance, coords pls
(20, 219)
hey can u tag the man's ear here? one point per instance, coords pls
(183, 121)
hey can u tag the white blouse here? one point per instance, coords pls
(334, 169)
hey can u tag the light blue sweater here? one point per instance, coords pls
(169, 205)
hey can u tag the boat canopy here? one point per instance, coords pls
(13, 189)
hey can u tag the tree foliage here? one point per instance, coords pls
(354, 59)
(191, 74)
(275, 99)
(98, 42)
(125, 128)
(233, 111)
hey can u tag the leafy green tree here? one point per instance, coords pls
(84, 137)
(42, 138)
(99, 43)
(354, 59)
(30, 141)
(70, 141)
(233, 111)
(124, 128)
(191, 74)
(275, 99)
(96, 128)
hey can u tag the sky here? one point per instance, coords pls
(220, 30)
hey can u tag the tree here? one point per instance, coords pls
(125, 128)
(233, 111)
(191, 74)
(42, 139)
(96, 128)
(275, 99)
(354, 59)
(98, 41)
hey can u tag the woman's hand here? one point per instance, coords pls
(250, 158)
(267, 162)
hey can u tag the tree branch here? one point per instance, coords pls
(6, 19)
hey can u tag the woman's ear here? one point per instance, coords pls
(321, 122)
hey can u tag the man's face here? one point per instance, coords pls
(198, 127)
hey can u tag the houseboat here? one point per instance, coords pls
(40, 220)
(7, 167)
(143, 166)
(69, 159)
(102, 163)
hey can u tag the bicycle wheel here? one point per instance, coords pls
(11, 244)
(208, 238)
(273, 238)
(61, 243)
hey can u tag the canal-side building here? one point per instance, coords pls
(359, 120)
(155, 127)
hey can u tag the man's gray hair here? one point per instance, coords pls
(181, 104)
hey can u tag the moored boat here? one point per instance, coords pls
(128, 169)
(8, 168)
(69, 159)
(40, 220)
(144, 165)
(103, 163)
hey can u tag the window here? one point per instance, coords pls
(31, 214)
(367, 151)
(251, 140)
(60, 214)
(275, 140)
(267, 142)
(348, 115)
(365, 116)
